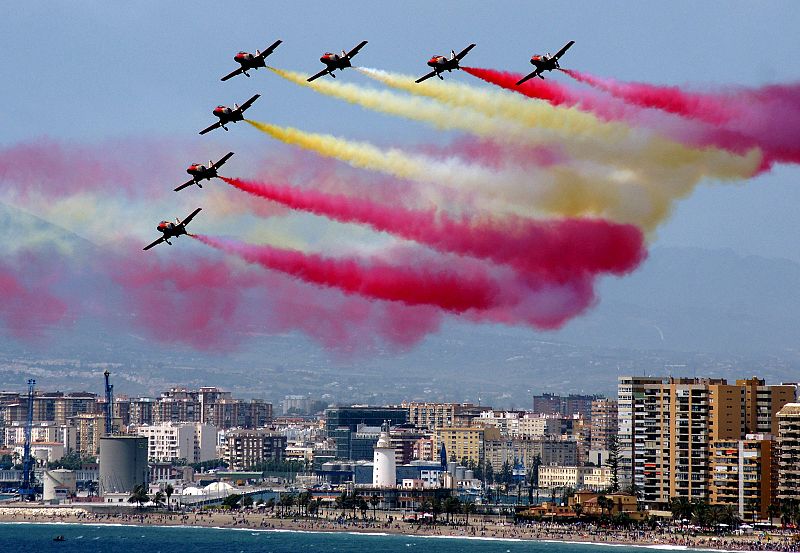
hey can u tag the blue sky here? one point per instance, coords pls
(89, 71)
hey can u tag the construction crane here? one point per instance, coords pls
(28, 490)
(109, 404)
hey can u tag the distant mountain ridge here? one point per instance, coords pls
(702, 309)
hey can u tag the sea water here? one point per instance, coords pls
(79, 538)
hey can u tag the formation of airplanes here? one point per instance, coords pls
(252, 62)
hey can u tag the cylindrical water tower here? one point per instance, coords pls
(58, 480)
(123, 463)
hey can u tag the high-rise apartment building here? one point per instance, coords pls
(740, 475)
(248, 448)
(668, 429)
(788, 481)
(193, 442)
(604, 423)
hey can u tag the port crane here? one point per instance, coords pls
(27, 490)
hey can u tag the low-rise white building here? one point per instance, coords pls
(48, 432)
(170, 441)
(592, 478)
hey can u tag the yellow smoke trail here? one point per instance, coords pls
(557, 191)
(589, 138)
(669, 169)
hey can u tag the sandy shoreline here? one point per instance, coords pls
(478, 528)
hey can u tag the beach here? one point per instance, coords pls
(389, 523)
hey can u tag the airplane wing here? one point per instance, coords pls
(318, 75)
(211, 127)
(191, 216)
(355, 50)
(464, 52)
(232, 74)
(564, 49)
(426, 77)
(156, 243)
(184, 185)
(249, 102)
(269, 50)
(529, 76)
(222, 160)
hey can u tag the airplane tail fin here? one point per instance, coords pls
(236, 106)
(344, 54)
(258, 52)
(452, 54)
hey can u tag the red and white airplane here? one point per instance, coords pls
(335, 61)
(545, 62)
(250, 61)
(441, 63)
(202, 172)
(172, 230)
(229, 115)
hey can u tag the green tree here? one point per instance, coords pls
(489, 473)
(613, 462)
(451, 506)
(773, 511)
(436, 508)
(506, 474)
(303, 501)
(374, 501)
(363, 506)
(159, 498)
(139, 496)
(232, 501)
(682, 508)
(468, 507)
(247, 501)
(168, 491)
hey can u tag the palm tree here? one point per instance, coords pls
(374, 500)
(436, 508)
(601, 502)
(168, 491)
(342, 501)
(139, 496)
(303, 500)
(468, 507)
(682, 508)
(158, 498)
(773, 511)
(578, 509)
(701, 511)
(451, 506)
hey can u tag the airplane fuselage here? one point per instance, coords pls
(228, 115)
(249, 61)
(335, 61)
(201, 172)
(544, 63)
(442, 63)
(170, 230)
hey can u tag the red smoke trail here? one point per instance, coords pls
(438, 286)
(736, 119)
(711, 108)
(558, 249)
(26, 306)
(549, 90)
(58, 170)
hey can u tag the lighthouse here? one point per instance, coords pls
(384, 468)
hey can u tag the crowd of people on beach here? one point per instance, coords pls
(479, 527)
